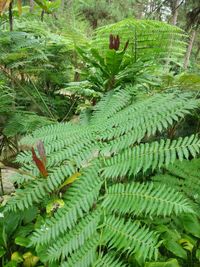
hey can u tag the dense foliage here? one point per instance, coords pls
(100, 126)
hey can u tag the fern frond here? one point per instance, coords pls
(72, 241)
(143, 119)
(85, 256)
(7, 99)
(129, 236)
(100, 217)
(80, 197)
(51, 133)
(147, 198)
(61, 148)
(184, 176)
(22, 122)
(150, 156)
(186, 169)
(68, 152)
(147, 39)
(146, 117)
(108, 260)
(111, 104)
(36, 190)
(24, 199)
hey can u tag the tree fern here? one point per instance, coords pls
(147, 39)
(101, 218)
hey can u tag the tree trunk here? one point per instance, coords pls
(189, 50)
(31, 6)
(140, 10)
(1, 184)
(11, 16)
(175, 5)
(197, 52)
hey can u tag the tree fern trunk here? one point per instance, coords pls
(189, 50)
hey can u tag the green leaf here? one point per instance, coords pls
(11, 223)
(191, 224)
(24, 231)
(175, 248)
(30, 214)
(42, 4)
(113, 61)
(22, 241)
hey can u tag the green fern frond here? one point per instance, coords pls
(147, 117)
(85, 256)
(108, 260)
(136, 198)
(115, 101)
(100, 216)
(62, 147)
(186, 169)
(36, 190)
(20, 179)
(80, 197)
(7, 99)
(24, 199)
(51, 133)
(147, 39)
(68, 243)
(184, 176)
(150, 156)
(129, 236)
